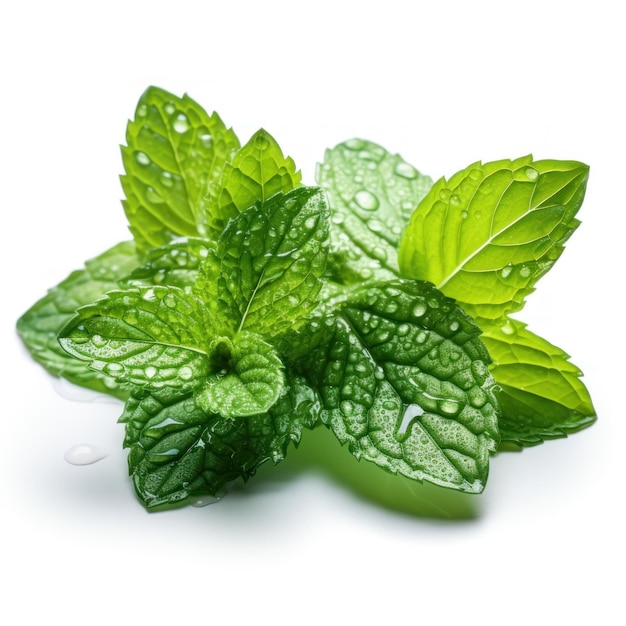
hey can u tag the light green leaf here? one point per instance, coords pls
(258, 171)
(179, 452)
(153, 337)
(372, 194)
(268, 264)
(246, 377)
(542, 394)
(40, 325)
(174, 151)
(489, 233)
(404, 381)
(175, 264)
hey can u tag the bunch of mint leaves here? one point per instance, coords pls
(249, 308)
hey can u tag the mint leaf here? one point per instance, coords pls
(266, 272)
(258, 171)
(247, 380)
(489, 233)
(178, 451)
(372, 194)
(542, 395)
(40, 325)
(404, 381)
(174, 151)
(175, 264)
(152, 337)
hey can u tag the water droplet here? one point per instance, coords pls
(412, 411)
(142, 158)
(169, 300)
(506, 271)
(475, 175)
(84, 454)
(454, 326)
(375, 226)
(206, 501)
(524, 271)
(153, 196)
(347, 408)
(405, 170)
(169, 108)
(366, 200)
(99, 341)
(354, 144)
(310, 223)
(455, 200)
(477, 397)
(531, 173)
(166, 179)
(142, 110)
(508, 328)
(261, 142)
(419, 309)
(113, 369)
(449, 407)
(445, 194)
(421, 337)
(151, 372)
(181, 123)
(206, 140)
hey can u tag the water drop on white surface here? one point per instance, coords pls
(84, 454)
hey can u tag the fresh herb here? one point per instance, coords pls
(249, 308)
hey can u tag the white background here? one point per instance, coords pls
(442, 83)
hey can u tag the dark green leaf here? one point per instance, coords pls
(178, 451)
(152, 337)
(246, 378)
(268, 264)
(404, 381)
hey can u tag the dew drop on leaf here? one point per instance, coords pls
(412, 411)
(181, 123)
(419, 309)
(354, 144)
(506, 271)
(153, 196)
(166, 179)
(366, 200)
(142, 158)
(405, 170)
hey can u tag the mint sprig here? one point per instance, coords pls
(250, 308)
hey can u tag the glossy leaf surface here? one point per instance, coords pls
(257, 172)
(404, 381)
(542, 395)
(41, 324)
(489, 233)
(372, 194)
(179, 451)
(174, 151)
